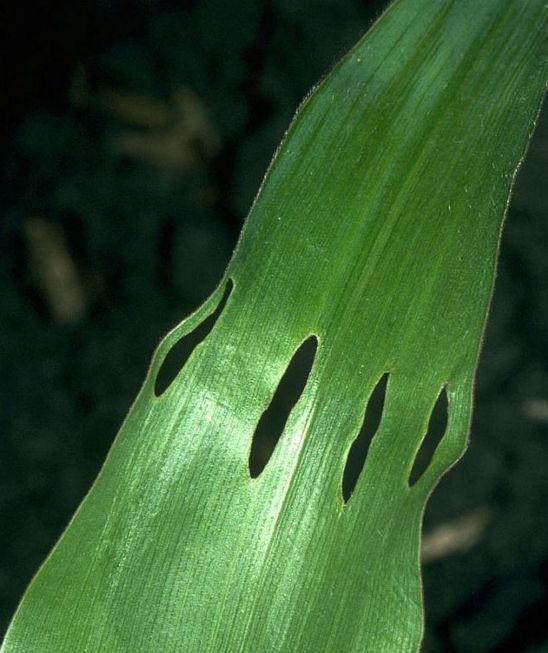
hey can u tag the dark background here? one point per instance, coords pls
(134, 137)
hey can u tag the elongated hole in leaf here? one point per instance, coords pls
(273, 420)
(358, 451)
(183, 348)
(436, 430)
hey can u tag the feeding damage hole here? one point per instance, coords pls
(273, 420)
(360, 446)
(436, 430)
(183, 348)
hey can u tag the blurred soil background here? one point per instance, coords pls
(134, 137)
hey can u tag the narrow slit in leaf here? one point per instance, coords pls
(273, 420)
(183, 348)
(358, 451)
(436, 430)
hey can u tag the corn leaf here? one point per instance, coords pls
(371, 249)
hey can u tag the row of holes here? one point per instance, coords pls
(290, 388)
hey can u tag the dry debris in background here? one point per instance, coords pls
(176, 133)
(54, 271)
(454, 536)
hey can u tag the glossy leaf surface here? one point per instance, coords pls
(376, 231)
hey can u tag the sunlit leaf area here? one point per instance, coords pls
(326, 372)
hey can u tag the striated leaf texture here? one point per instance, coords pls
(376, 231)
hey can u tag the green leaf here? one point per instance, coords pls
(376, 231)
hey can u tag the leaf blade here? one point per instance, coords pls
(356, 239)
